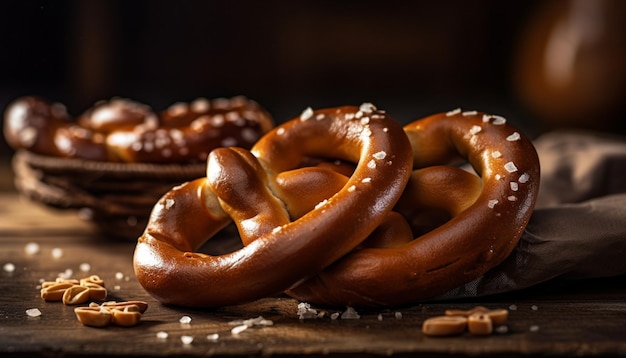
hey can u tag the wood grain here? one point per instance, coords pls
(557, 319)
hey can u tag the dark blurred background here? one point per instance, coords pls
(544, 64)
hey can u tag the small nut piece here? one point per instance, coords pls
(96, 292)
(125, 314)
(142, 306)
(444, 325)
(498, 316)
(54, 291)
(74, 292)
(478, 321)
(479, 324)
(93, 316)
(127, 317)
(92, 280)
(76, 295)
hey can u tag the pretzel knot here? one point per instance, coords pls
(342, 206)
(294, 219)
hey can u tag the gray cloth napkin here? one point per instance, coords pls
(578, 228)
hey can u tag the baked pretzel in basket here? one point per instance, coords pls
(122, 130)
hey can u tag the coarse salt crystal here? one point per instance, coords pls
(510, 167)
(513, 137)
(67, 274)
(511, 198)
(177, 109)
(119, 275)
(218, 121)
(380, 155)
(213, 337)
(398, 315)
(492, 203)
(498, 120)
(276, 229)
(496, 154)
(185, 320)
(28, 136)
(475, 130)
(31, 248)
(350, 313)
(8, 267)
(169, 203)
(524, 178)
(321, 203)
(351, 188)
(84, 267)
(238, 329)
(453, 112)
(200, 105)
(366, 180)
(305, 311)
(469, 113)
(371, 164)
(306, 114)
(186, 339)
(514, 186)
(33, 312)
(367, 107)
(162, 335)
(486, 118)
(280, 131)
(320, 116)
(57, 253)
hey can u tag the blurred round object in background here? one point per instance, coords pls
(571, 63)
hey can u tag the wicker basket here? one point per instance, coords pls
(116, 197)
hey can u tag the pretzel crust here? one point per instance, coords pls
(280, 251)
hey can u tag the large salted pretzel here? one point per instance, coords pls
(487, 215)
(325, 212)
(248, 187)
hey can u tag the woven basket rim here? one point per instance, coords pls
(82, 166)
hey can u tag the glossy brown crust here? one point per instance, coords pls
(476, 239)
(121, 130)
(279, 251)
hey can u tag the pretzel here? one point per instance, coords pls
(486, 216)
(258, 190)
(121, 130)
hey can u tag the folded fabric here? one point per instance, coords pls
(578, 228)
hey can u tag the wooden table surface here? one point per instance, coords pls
(556, 319)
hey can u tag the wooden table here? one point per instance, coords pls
(556, 319)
